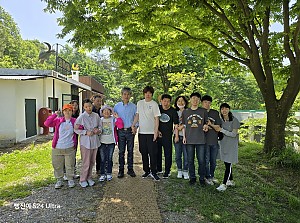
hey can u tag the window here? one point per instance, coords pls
(53, 104)
(66, 99)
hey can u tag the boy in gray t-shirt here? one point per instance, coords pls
(212, 145)
(194, 120)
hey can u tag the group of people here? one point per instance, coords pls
(192, 130)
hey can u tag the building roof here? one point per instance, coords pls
(4, 77)
(31, 74)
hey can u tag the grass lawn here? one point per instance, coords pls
(23, 170)
(263, 193)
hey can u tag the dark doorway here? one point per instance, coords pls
(30, 117)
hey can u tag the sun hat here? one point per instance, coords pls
(105, 107)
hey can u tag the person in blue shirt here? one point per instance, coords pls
(126, 110)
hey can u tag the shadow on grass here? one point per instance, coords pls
(263, 193)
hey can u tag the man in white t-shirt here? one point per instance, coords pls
(148, 117)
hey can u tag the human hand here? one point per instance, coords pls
(217, 128)
(96, 131)
(205, 128)
(115, 114)
(58, 112)
(133, 130)
(89, 133)
(155, 136)
(176, 139)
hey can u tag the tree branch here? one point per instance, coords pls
(243, 61)
(250, 25)
(230, 38)
(224, 18)
(265, 50)
(286, 28)
(234, 49)
(296, 38)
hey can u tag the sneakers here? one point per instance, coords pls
(146, 174)
(230, 183)
(155, 177)
(83, 184)
(71, 183)
(179, 174)
(160, 172)
(131, 173)
(102, 178)
(59, 184)
(222, 188)
(65, 177)
(166, 175)
(91, 182)
(209, 181)
(185, 175)
(76, 176)
(214, 180)
(109, 177)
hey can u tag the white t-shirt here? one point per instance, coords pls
(147, 112)
(66, 132)
(107, 136)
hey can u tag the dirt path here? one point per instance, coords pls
(129, 199)
(120, 200)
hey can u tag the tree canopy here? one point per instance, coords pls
(14, 51)
(238, 31)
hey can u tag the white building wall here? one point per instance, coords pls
(12, 99)
(8, 110)
(30, 89)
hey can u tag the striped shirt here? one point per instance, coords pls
(88, 122)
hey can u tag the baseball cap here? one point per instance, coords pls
(68, 106)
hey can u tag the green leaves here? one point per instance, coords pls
(16, 52)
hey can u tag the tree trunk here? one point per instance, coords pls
(277, 109)
(275, 132)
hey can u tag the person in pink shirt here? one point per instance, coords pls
(88, 126)
(64, 143)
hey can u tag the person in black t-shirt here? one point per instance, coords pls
(167, 120)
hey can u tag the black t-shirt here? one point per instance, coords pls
(212, 135)
(166, 120)
(94, 109)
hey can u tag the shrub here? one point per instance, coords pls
(289, 157)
